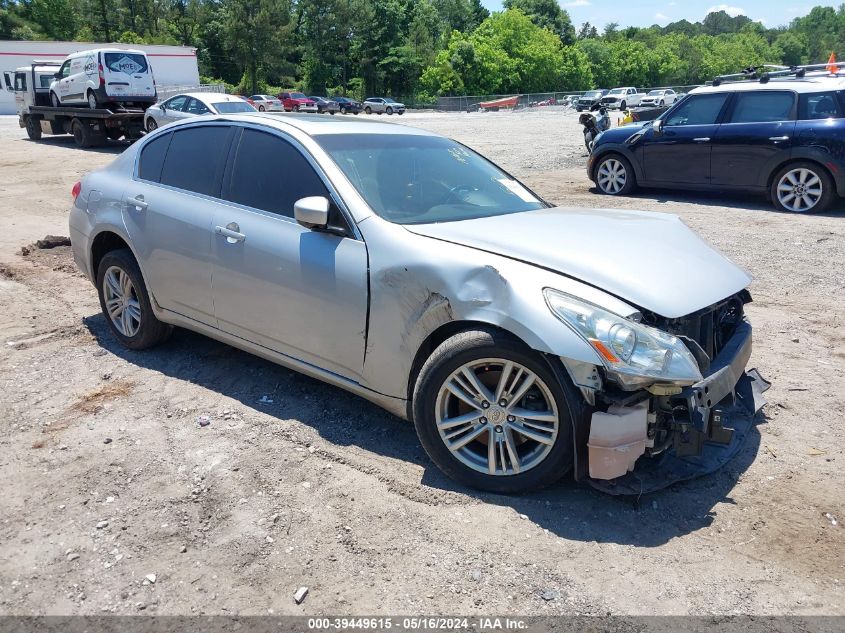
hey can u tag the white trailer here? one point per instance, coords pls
(171, 65)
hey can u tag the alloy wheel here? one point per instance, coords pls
(151, 124)
(611, 176)
(92, 101)
(800, 190)
(497, 417)
(122, 304)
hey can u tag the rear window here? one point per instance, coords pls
(195, 159)
(152, 158)
(232, 107)
(821, 105)
(765, 106)
(129, 63)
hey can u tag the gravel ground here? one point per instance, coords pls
(116, 500)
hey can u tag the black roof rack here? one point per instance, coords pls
(765, 72)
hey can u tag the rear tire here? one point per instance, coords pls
(33, 129)
(261, 108)
(368, 110)
(92, 100)
(802, 187)
(486, 353)
(141, 328)
(343, 110)
(614, 176)
(152, 126)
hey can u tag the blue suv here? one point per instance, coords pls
(784, 138)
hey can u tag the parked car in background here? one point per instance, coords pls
(523, 340)
(102, 77)
(267, 103)
(325, 105)
(193, 104)
(383, 105)
(590, 100)
(348, 105)
(783, 139)
(659, 98)
(247, 99)
(622, 98)
(297, 102)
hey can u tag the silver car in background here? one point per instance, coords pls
(659, 98)
(191, 104)
(383, 105)
(267, 103)
(522, 339)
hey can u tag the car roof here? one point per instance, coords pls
(134, 51)
(315, 124)
(804, 85)
(209, 97)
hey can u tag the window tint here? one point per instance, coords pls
(129, 63)
(821, 105)
(195, 159)
(698, 110)
(176, 103)
(152, 158)
(270, 174)
(762, 107)
(196, 106)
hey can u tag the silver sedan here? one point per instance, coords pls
(193, 104)
(522, 339)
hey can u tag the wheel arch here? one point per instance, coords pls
(797, 159)
(109, 239)
(616, 150)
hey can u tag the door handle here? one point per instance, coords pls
(702, 139)
(778, 139)
(137, 202)
(230, 232)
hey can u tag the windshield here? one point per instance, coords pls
(297, 95)
(618, 91)
(593, 93)
(411, 179)
(655, 93)
(232, 107)
(388, 100)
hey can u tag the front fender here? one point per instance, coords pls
(628, 151)
(418, 284)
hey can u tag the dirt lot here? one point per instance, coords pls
(108, 477)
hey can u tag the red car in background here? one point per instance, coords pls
(297, 102)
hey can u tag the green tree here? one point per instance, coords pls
(546, 14)
(257, 32)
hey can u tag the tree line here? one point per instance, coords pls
(421, 49)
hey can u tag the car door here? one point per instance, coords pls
(169, 209)
(172, 109)
(62, 85)
(754, 138)
(679, 151)
(195, 107)
(296, 291)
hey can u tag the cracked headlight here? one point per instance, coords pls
(635, 354)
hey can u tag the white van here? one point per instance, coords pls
(104, 76)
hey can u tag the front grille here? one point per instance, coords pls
(711, 328)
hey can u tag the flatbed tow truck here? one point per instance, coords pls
(90, 128)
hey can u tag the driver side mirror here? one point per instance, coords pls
(57, 75)
(658, 126)
(312, 212)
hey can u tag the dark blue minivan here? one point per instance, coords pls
(784, 138)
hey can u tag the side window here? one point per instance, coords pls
(195, 159)
(64, 71)
(196, 107)
(763, 106)
(819, 105)
(152, 158)
(271, 174)
(698, 110)
(20, 82)
(176, 103)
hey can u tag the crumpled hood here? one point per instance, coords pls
(651, 260)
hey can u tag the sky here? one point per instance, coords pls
(647, 12)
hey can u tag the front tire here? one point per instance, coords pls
(92, 100)
(622, 105)
(492, 415)
(261, 108)
(152, 126)
(125, 302)
(615, 176)
(368, 110)
(343, 110)
(389, 110)
(802, 187)
(33, 129)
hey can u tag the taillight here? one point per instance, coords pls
(102, 77)
(76, 189)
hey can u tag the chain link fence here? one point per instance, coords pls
(165, 92)
(469, 103)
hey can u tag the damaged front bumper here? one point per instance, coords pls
(665, 439)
